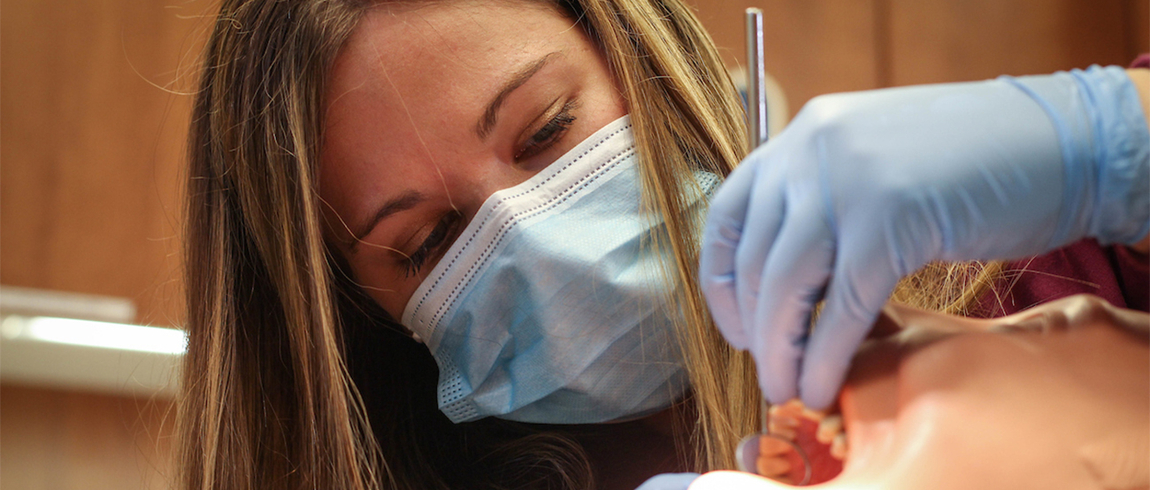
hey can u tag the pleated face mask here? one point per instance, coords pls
(550, 307)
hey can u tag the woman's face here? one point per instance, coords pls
(433, 107)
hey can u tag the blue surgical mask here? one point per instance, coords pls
(550, 307)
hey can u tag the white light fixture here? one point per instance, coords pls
(95, 334)
(15, 300)
(70, 341)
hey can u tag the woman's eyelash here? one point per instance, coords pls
(439, 236)
(549, 133)
(434, 242)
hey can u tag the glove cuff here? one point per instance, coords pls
(1105, 146)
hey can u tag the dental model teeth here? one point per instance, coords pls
(818, 435)
(795, 409)
(839, 446)
(772, 462)
(786, 418)
(783, 426)
(829, 427)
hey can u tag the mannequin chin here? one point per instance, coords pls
(1056, 397)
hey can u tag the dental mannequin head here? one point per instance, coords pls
(1054, 397)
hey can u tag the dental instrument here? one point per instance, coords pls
(748, 453)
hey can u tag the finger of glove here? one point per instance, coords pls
(861, 285)
(793, 281)
(765, 214)
(721, 236)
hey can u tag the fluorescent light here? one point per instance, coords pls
(95, 334)
(29, 302)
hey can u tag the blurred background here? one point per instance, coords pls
(94, 107)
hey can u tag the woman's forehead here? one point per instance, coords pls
(446, 48)
(463, 26)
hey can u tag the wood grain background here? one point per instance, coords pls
(91, 146)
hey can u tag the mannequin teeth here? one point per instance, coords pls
(815, 415)
(785, 420)
(829, 427)
(794, 409)
(839, 446)
(780, 424)
(773, 466)
(773, 459)
(782, 431)
(770, 447)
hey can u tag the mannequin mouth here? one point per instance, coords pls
(868, 406)
(821, 435)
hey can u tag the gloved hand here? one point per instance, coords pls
(864, 188)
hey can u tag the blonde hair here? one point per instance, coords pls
(269, 400)
(266, 400)
(687, 117)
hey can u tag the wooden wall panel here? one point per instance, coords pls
(811, 47)
(950, 40)
(1137, 27)
(820, 46)
(91, 148)
(63, 441)
(91, 152)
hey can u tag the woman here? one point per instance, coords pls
(283, 331)
(327, 189)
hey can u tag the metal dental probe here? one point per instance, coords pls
(756, 109)
(747, 454)
(756, 83)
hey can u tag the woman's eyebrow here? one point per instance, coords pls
(403, 202)
(483, 127)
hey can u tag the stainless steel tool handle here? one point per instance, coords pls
(756, 85)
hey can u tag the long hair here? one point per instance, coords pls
(266, 399)
(280, 338)
(687, 117)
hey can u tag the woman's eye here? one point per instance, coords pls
(549, 133)
(436, 241)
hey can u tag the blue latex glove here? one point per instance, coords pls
(865, 188)
(669, 481)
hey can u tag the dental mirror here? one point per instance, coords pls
(773, 457)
